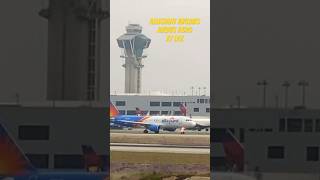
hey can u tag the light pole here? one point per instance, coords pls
(264, 84)
(303, 85)
(238, 101)
(276, 99)
(199, 91)
(17, 98)
(204, 89)
(286, 86)
(192, 90)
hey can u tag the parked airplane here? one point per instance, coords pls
(14, 165)
(152, 123)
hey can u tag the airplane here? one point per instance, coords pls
(14, 165)
(202, 122)
(152, 123)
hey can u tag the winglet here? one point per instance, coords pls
(13, 161)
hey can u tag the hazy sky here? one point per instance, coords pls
(273, 40)
(169, 66)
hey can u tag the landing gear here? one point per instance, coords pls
(145, 131)
(182, 130)
(207, 129)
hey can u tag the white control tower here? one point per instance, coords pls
(133, 44)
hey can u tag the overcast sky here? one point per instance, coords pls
(169, 66)
(273, 40)
(252, 40)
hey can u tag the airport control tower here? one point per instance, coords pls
(74, 49)
(133, 43)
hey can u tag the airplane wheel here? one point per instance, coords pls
(207, 129)
(145, 131)
(199, 129)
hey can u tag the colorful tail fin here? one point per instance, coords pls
(233, 149)
(138, 111)
(91, 159)
(113, 111)
(183, 109)
(13, 162)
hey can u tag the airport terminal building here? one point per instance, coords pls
(274, 140)
(161, 104)
(52, 136)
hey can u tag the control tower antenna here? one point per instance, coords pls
(133, 43)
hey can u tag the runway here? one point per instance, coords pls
(161, 148)
(140, 131)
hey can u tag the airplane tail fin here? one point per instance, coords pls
(233, 149)
(113, 110)
(138, 111)
(91, 159)
(183, 109)
(13, 161)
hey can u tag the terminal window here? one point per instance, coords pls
(33, 132)
(120, 103)
(282, 125)
(317, 125)
(275, 152)
(164, 112)
(294, 125)
(195, 109)
(177, 113)
(176, 104)
(207, 110)
(154, 112)
(312, 153)
(154, 103)
(308, 125)
(131, 112)
(166, 104)
(39, 160)
(219, 133)
(63, 161)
